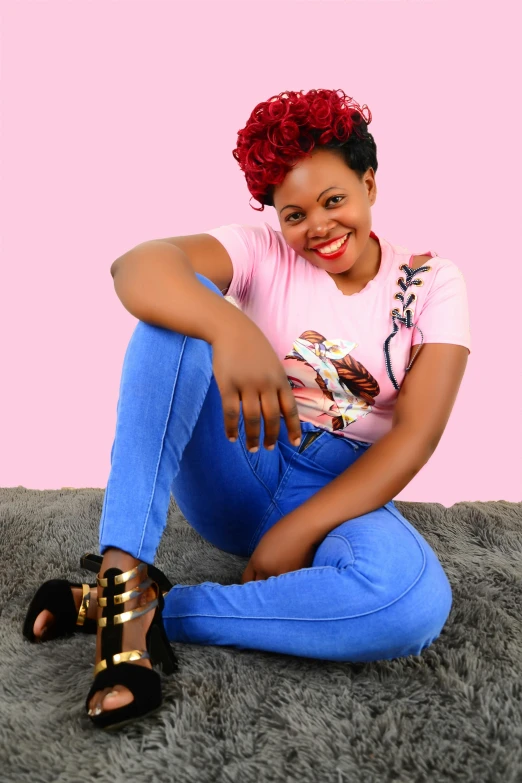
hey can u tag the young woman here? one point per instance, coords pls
(283, 420)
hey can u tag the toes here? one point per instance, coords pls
(118, 696)
(97, 699)
(110, 698)
(44, 620)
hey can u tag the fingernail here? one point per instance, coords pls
(271, 448)
(232, 440)
(97, 711)
(254, 449)
(89, 711)
(112, 693)
(297, 442)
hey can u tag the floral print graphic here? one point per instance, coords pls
(330, 387)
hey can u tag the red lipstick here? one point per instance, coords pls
(333, 256)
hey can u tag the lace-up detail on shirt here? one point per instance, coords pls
(406, 317)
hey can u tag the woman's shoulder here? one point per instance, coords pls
(429, 258)
(421, 260)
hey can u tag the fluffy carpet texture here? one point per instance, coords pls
(452, 713)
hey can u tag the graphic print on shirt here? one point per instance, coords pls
(330, 387)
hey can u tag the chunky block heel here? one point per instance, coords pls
(160, 650)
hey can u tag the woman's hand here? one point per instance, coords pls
(283, 548)
(248, 371)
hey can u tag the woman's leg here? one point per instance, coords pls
(170, 439)
(375, 589)
(170, 436)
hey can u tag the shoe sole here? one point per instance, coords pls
(121, 724)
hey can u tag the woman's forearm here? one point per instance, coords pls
(374, 479)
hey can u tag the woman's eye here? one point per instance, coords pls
(288, 220)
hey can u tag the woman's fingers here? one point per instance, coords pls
(290, 411)
(271, 404)
(271, 416)
(231, 411)
(251, 417)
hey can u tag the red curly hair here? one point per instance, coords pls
(285, 129)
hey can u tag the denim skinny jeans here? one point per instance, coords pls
(375, 589)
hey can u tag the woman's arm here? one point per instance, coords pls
(422, 411)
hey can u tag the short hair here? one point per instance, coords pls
(286, 128)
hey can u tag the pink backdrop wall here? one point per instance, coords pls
(118, 122)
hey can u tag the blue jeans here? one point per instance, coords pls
(375, 589)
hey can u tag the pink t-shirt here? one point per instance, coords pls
(341, 352)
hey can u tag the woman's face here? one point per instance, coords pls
(322, 199)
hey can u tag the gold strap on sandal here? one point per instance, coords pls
(124, 617)
(122, 597)
(84, 606)
(121, 578)
(131, 655)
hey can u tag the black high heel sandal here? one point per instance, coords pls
(56, 596)
(115, 667)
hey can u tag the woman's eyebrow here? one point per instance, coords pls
(294, 206)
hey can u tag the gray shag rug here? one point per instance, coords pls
(454, 713)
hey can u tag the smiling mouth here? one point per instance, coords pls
(335, 242)
(334, 255)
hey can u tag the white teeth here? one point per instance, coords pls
(335, 246)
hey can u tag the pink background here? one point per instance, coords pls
(118, 124)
